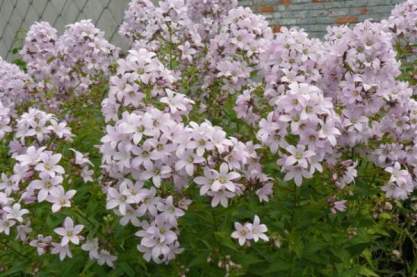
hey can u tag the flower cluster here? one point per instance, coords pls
(147, 151)
(359, 74)
(184, 23)
(70, 233)
(141, 21)
(140, 78)
(84, 56)
(246, 107)
(345, 173)
(209, 15)
(235, 51)
(40, 125)
(166, 28)
(402, 26)
(39, 50)
(14, 85)
(98, 254)
(400, 184)
(5, 120)
(38, 176)
(67, 64)
(402, 21)
(291, 57)
(302, 112)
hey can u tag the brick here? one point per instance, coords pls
(276, 28)
(363, 10)
(348, 19)
(266, 9)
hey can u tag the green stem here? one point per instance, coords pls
(295, 200)
(82, 215)
(5, 244)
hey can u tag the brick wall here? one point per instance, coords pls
(315, 15)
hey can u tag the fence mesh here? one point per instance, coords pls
(16, 16)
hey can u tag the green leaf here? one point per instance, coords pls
(364, 271)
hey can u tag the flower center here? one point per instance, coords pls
(222, 179)
(299, 155)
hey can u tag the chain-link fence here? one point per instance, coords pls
(16, 16)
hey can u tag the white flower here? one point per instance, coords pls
(299, 156)
(187, 161)
(105, 257)
(297, 173)
(34, 123)
(15, 212)
(8, 185)
(258, 230)
(80, 158)
(61, 129)
(134, 192)
(62, 250)
(265, 192)
(133, 125)
(338, 206)
(5, 200)
(49, 164)
(156, 173)
(59, 198)
(221, 197)
(169, 212)
(177, 102)
(19, 174)
(45, 185)
(91, 246)
(87, 174)
(69, 232)
(157, 237)
(31, 157)
(397, 174)
(187, 52)
(149, 202)
(5, 225)
(205, 181)
(41, 243)
(329, 132)
(116, 200)
(23, 231)
(242, 233)
(224, 179)
(132, 216)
